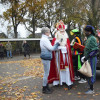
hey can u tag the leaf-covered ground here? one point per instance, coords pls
(33, 68)
(22, 80)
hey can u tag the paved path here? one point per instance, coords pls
(18, 82)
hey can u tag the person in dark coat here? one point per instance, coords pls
(90, 54)
(26, 49)
(1, 51)
(77, 55)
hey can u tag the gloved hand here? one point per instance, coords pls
(58, 42)
(83, 59)
(72, 43)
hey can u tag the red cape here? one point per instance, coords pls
(54, 74)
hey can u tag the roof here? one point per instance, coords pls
(20, 39)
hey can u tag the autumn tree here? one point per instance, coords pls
(83, 11)
(65, 10)
(39, 13)
(94, 13)
(3, 35)
(15, 14)
(49, 15)
(34, 9)
(74, 12)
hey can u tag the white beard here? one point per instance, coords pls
(63, 36)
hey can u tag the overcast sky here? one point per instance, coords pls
(21, 29)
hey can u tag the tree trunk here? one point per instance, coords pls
(15, 32)
(68, 29)
(33, 33)
(33, 26)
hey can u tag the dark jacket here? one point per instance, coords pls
(8, 46)
(26, 47)
(1, 48)
(91, 45)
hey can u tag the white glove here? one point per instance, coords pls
(72, 43)
(82, 59)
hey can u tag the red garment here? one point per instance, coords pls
(54, 74)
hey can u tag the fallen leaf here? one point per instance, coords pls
(69, 93)
(79, 93)
(65, 89)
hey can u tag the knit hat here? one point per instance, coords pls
(74, 31)
(89, 28)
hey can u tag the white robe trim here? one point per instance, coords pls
(64, 74)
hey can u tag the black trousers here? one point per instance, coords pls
(1, 55)
(90, 83)
(26, 53)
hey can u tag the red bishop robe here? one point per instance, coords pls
(54, 74)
